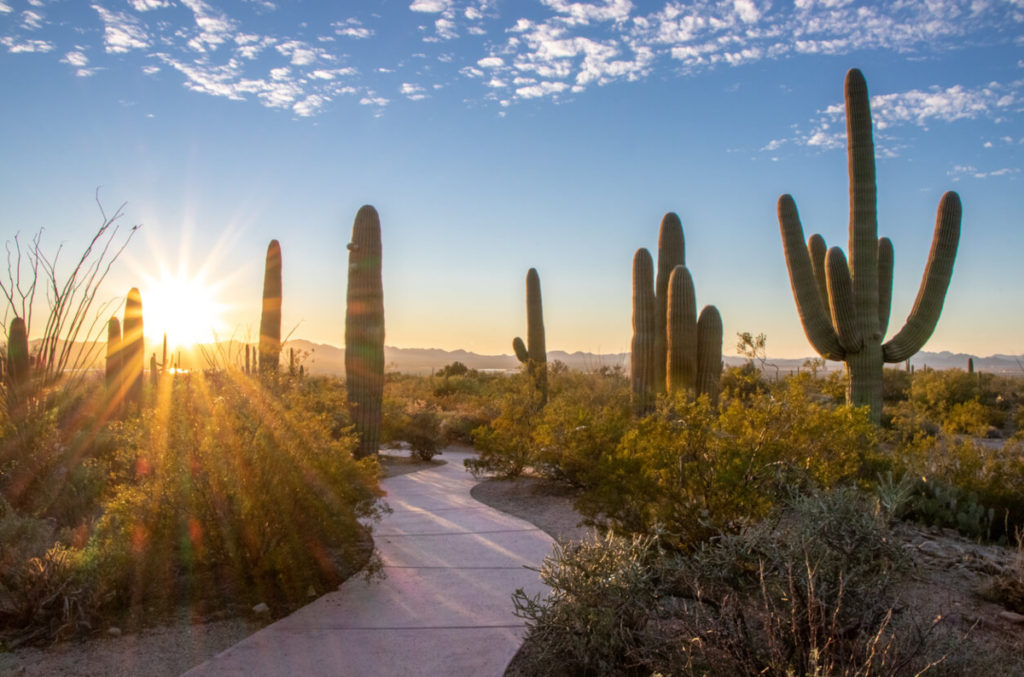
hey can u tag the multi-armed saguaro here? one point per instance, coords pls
(533, 353)
(844, 307)
(671, 347)
(270, 319)
(364, 330)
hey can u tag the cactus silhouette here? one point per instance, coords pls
(17, 357)
(694, 346)
(364, 330)
(270, 319)
(844, 307)
(114, 359)
(133, 353)
(533, 353)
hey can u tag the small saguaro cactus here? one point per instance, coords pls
(270, 319)
(364, 331)
(844, 307)
(114, 358)
(17, 356)
(970, 365)
(133, 351)
(534, 352)
(694, 345)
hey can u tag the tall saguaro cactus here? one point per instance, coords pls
(270, 319)
(364, 330)
(642, 349)
(114, 355)
(534, 352)
(133, 351)
(671, 253)
(844, 307)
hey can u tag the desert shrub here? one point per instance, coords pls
(811, 590)
(506, 446)
(237, 493)
(422, 431)
(688, 471)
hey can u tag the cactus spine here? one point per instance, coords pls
(114, 359)
(133, 353)
(270, 319)
(534, 352)
(847, 319)
(364, 330)
(681, 352)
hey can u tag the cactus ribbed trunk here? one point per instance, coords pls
(364, 331)
(270, 319)
(681, 332)
(642, 355)
(534, 352)
(846, 319)
(114, 361)
(671, 253)
(133, 353)
(709, 353)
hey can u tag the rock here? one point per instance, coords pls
(311, 591)
(114, 631)
(1012, 617)
(261, 609)
(932, 548)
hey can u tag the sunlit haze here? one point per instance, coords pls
(493, 137)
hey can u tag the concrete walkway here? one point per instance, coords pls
(444, 608)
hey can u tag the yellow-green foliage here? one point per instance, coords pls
(234, 488)
(690, 472)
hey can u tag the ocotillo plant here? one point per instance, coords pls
(534, 352)
(134, 350)
(270, 319)
(671, 253)
(364, 330)
(845, 318)
(694, 346)
(114, 359)
(642, 348)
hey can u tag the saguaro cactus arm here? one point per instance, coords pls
(671, 253)
(709, 352)
(817, 249)
(841, 302)
(932, 292)
(522, 354)
(809, 303)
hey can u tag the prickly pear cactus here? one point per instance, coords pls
(364, 331)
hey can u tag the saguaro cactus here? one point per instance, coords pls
(114, 358)
(133, 351)
(844, 307)
(17, 356)
(671, 253)
(694, 346)
(534, 352)
(364, 330)
(642, 357)
(270, 319)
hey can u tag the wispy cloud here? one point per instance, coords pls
(79, 61)
(412, 92)
(352, 28)
(17, 46)
(959, 172)
(121, 32)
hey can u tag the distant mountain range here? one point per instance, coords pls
(325, 359)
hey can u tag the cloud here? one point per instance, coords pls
(371, 100)
(301, 53)
(352, 28)
(78, 60)
(412, 92)
(15, 46)
(147, 5)
(958, 172)
(31, 20)
(121, 33)
(430, 6)
(215, 28)
(5, 8)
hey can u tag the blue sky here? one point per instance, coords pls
(498, 136)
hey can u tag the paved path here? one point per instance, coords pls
(444, 608)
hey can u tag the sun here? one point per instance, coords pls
(185, 309)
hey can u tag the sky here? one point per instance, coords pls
(496, 136)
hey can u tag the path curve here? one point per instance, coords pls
(444, 608)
